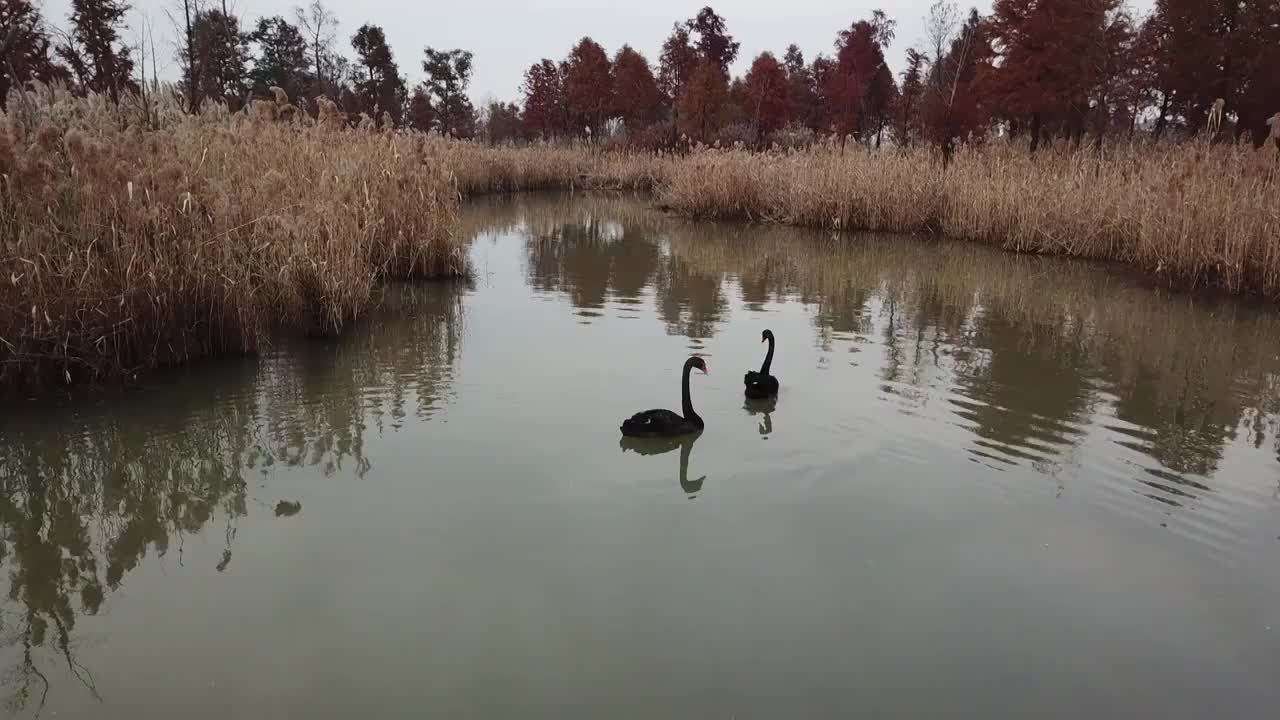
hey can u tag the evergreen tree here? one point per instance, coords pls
(93, 50)
(380, 86)
(281, 60)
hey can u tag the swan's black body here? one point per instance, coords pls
(761, 385)
(665, 423)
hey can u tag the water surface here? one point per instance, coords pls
(991, 486)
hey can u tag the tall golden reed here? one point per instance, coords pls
(1191, 215)
(122, 250)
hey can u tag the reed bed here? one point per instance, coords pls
(123, 250)
(1194, 216)
(481, 169)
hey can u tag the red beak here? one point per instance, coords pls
(705, 371)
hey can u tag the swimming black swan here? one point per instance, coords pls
(659, 423)
(761, 384)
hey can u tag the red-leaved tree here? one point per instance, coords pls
(636, 97)
(767, 95)
(544, 100)
(1050, 55)
(589, 83)
(705, 103)
(956, 105)
(860, 88)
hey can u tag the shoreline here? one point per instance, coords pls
(141, 250)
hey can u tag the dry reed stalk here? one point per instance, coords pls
(1190, 215)
(125, 250)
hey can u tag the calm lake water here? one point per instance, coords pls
(991, 486)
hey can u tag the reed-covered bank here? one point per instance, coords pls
(1191, 215)
(126, 250)
(481, 169)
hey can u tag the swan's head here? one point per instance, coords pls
(766, 335)
(699, 363)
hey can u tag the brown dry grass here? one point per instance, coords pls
(1192, 215)
(124, 250)
(481, 169)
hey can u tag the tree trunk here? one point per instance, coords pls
(193, 70)
(1164, 116)
(1035, 132)
(1101, 129)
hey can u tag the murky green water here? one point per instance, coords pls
(990, 487)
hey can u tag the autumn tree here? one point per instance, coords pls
(1049, 58)
(421, 116)
(380, 86)
(589, 85)
(222, 59)
(767, 96)
(544, 100)
(956, 103)
(93, 51)
(25, 48)
(704, 103)
(636, 97)
(448, 75)
(281, 58)
(860, 89)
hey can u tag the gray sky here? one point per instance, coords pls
(507, 36)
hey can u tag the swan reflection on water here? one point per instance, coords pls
(664, 445)
(762, 407)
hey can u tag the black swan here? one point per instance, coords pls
(664, 423)
(761, 385)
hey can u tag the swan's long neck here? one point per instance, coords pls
(686, 404)
(768, 359)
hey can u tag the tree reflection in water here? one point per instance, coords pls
(1029, 353)
(86, 495)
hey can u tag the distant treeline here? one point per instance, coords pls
(1045, 70)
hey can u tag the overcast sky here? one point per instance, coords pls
(507, 36)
